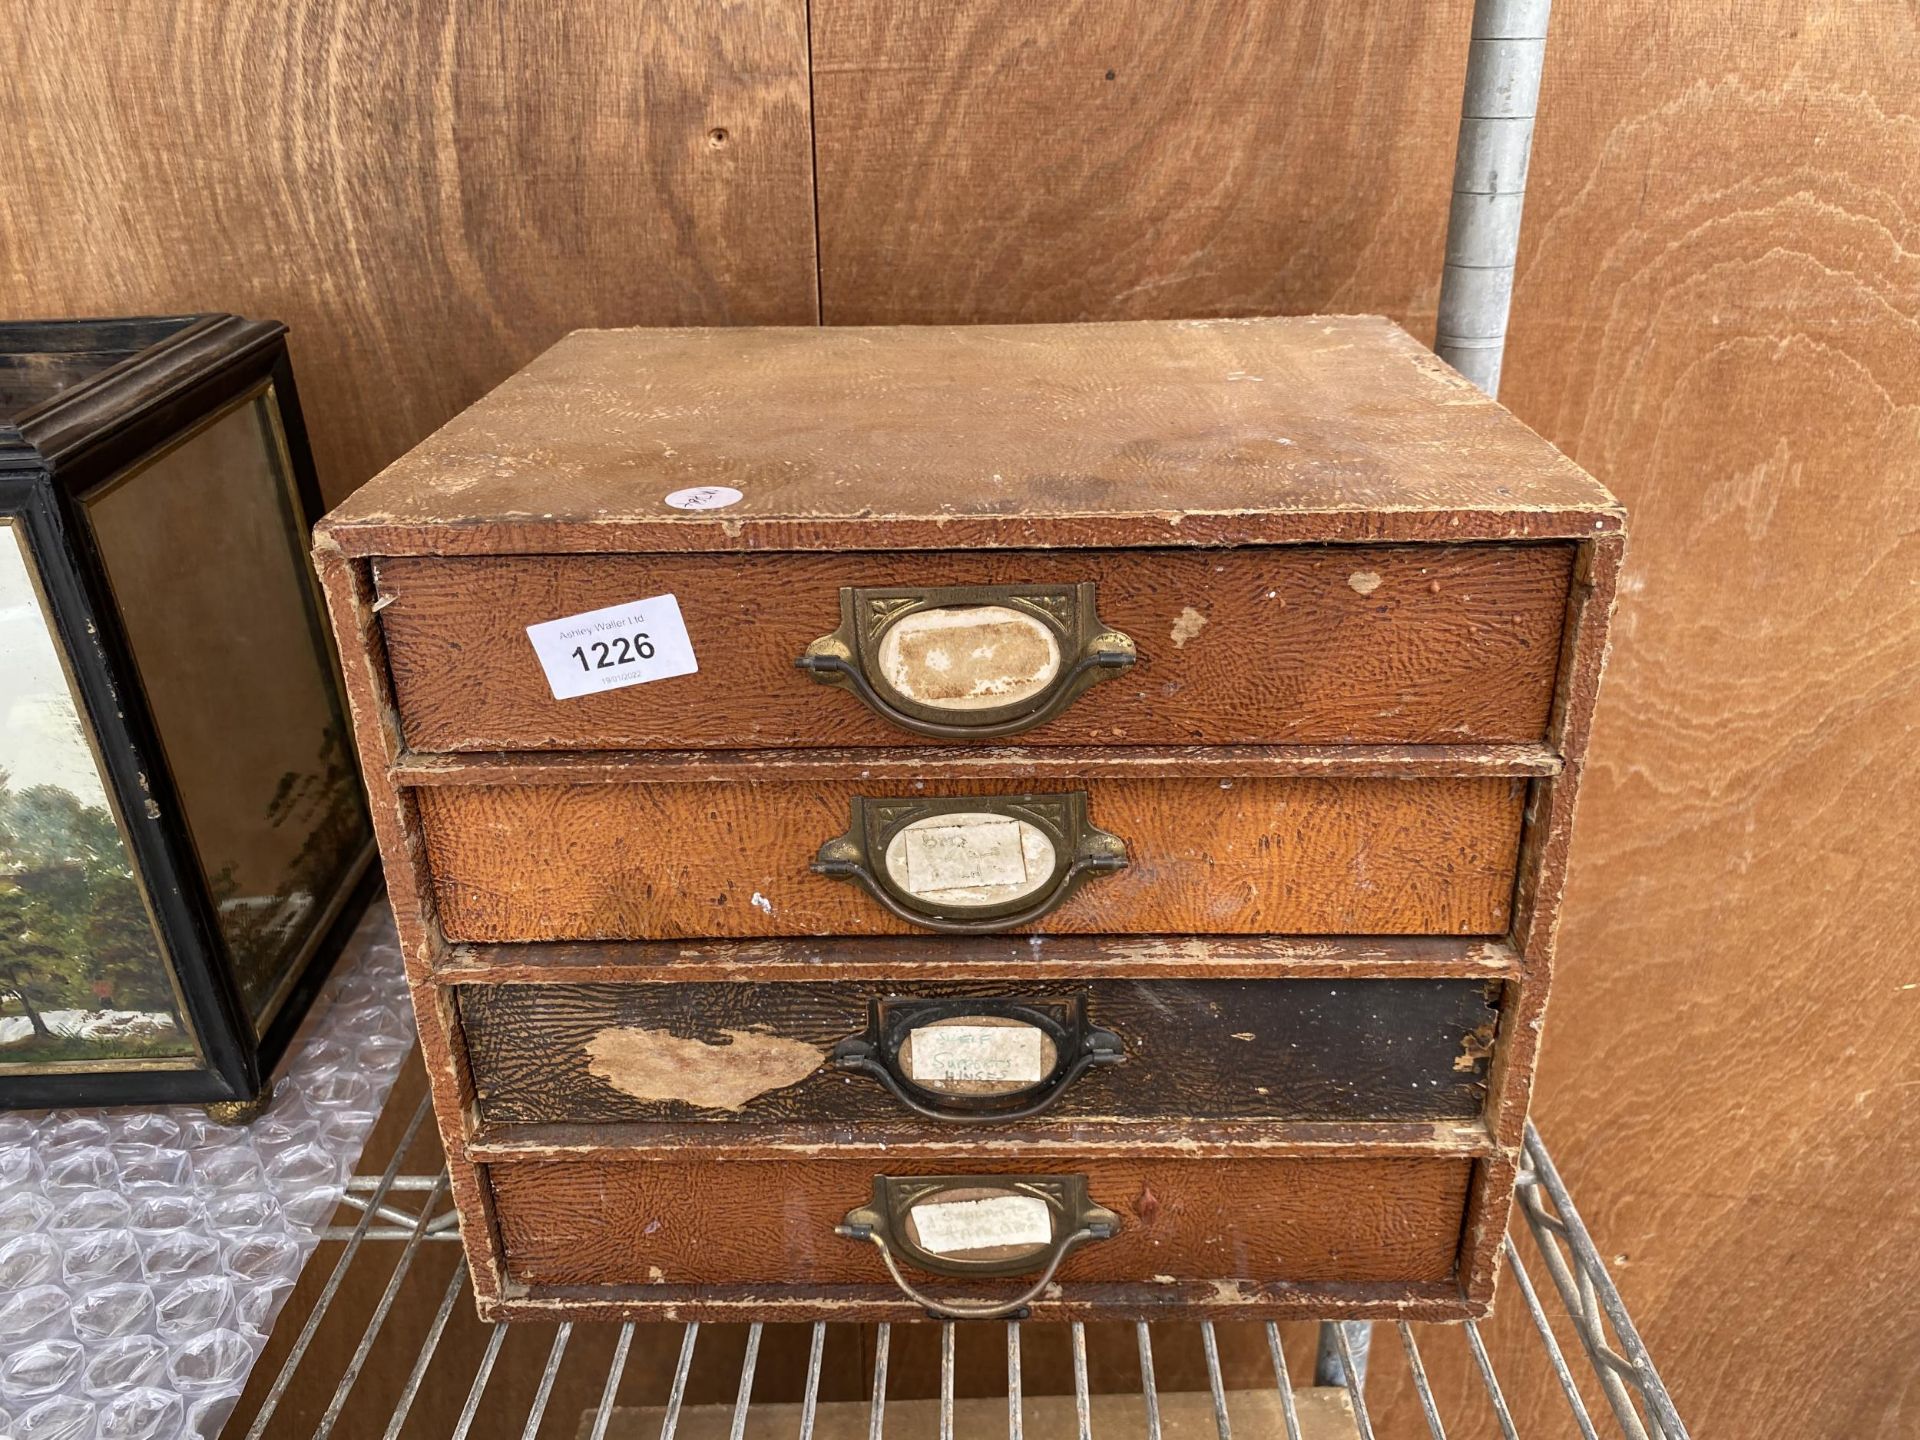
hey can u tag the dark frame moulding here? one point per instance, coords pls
(175, 370)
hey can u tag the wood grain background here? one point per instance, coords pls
(429, 193)
(1718, 312)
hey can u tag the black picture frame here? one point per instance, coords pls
(80, 402)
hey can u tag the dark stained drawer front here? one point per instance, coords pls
(1334, 1050)
(1254, 855)
(619, 1221)
(1284, 645)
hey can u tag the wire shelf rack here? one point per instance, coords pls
(380, 1340)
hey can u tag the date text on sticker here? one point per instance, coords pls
(705, 497)
(610, 649)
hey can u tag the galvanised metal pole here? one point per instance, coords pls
(1340, 1341)
(1490, 185)
(1504, 56)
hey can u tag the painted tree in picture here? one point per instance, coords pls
(23, 957)
(82, 974)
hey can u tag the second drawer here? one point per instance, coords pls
(1249, 855)
(841, 1052)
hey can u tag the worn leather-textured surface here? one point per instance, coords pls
(1369, 609)
(1307, 645)
(1206, 855)
(1188, 432)
(1201, 1048)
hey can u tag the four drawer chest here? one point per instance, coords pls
(1064, 821)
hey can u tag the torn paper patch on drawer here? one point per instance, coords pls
(611, 648)
(952, 1227)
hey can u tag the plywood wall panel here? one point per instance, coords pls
(986, 160)
(428, 193)
(1718, 312)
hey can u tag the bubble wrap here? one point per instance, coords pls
(145, 1253)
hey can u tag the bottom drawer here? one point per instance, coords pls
(772, 1226)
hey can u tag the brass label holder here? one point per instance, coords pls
(1077, 1047)
(864, 854)
(1088, 651)
(887, 1222)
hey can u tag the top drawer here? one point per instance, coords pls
(1409, 644)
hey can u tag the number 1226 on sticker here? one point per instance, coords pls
(609, 649)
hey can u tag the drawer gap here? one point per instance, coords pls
(421, 769)
(1221, 1300)
(1057, 1143)
(984, 959)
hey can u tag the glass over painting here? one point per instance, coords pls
(205, 550)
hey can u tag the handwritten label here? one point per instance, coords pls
(632, 644)
(950, 1227)
(970, 852)
(705, 497)
(976, 1052)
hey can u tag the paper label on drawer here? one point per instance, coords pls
(976, 1052)
(970, 852)
(951, 1227)
(631, 644)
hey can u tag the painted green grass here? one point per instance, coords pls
(39, 1050)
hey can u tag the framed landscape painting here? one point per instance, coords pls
(85, 980)
(184, 842)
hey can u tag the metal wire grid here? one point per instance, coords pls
(1617, 1364)
(1504, 62)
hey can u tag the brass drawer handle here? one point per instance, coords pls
(978, 1226)
(977, 1061)
(968, 662)
(971, 863)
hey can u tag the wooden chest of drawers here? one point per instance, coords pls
(1063, 817)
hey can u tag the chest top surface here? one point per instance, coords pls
(1209, 432)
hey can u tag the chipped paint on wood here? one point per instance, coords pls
(658, 1065)
(1363, 582)
(1475, 1047)
(1188, 624)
